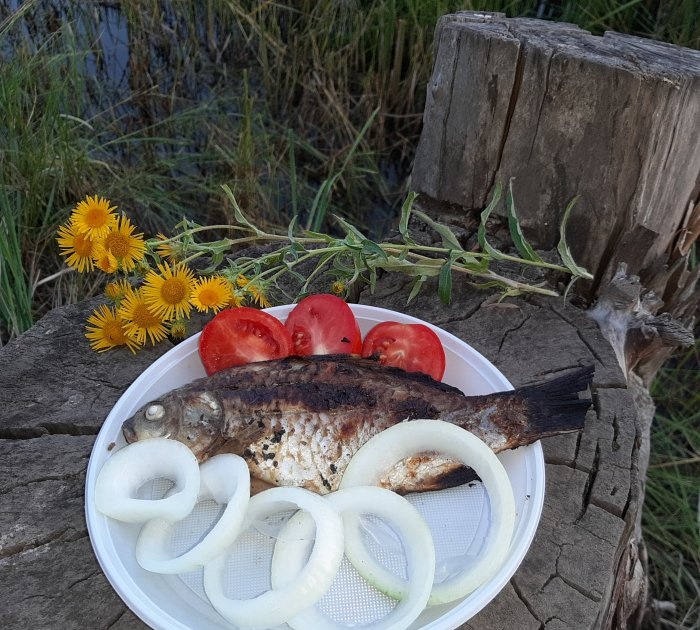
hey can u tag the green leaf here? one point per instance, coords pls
(511, 292)
(238, 213)
(321, 236)
(563, 248)
(350, 229)
(516, 233)
(470, 262)
(490, 284)
(406, 215)
(418, 283)
(216, 259)
(410, 268)
(445, 282)
(290, 257)
(449, 239)
(372, 279)
(339, 263)
(372, 249)
(570, 285)
(483, 243)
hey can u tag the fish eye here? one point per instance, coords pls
(156, 411)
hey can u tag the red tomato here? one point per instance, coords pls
(236, 336)
(412, 347)
(324, 324)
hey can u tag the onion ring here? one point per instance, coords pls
(130, 467)
(408, 438)
(277, 605)
(291, 547)
(224, 478)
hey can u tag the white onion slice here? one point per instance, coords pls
(291, 547)
(225, 479)
(279, 604)
(402, 440)
(133, 465)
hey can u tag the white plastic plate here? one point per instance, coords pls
(458, 517)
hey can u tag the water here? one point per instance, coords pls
(146, 68)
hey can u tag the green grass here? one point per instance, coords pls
(308, 108)
(671, 523)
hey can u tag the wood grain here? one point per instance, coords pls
(612, 119)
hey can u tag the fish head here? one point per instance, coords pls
(193, 418)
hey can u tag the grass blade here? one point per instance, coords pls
(15, 292)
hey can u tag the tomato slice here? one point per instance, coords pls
(412, 347)
(236, 336)
(324, 324)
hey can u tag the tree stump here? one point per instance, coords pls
(613, 119)
(56, 393)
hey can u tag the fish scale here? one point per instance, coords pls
(298, 421)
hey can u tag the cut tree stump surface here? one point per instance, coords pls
(55, 394)
(611, 119)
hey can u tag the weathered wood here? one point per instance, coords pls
(55, 394)
(642, 340)
(613, 119)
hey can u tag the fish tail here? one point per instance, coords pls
(555, 405)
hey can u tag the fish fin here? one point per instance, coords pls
(555, 405)
(457, 477)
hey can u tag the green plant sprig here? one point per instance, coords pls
(353, 257)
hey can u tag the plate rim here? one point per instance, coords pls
(134, 598)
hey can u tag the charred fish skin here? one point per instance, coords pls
(298, 421)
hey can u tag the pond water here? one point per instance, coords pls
(148, 66)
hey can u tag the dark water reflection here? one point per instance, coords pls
(146, 67)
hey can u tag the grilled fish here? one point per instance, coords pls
(298, 421)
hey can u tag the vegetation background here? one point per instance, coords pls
(304, 108)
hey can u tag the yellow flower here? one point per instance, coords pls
(127, 247)
(212, 293)
(106, 330)
(140, 320)
(178, 329)
(167, 250)
(237, 299)
(104, 259)
(168, 294)
(94, 217)
(77, 247)
(255, 289)
(118, 289)
(259, 297)
(338, 287)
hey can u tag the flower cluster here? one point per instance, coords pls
(148, 300)
(159, 288)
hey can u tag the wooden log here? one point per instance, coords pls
(56, 392)
(613, 119)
